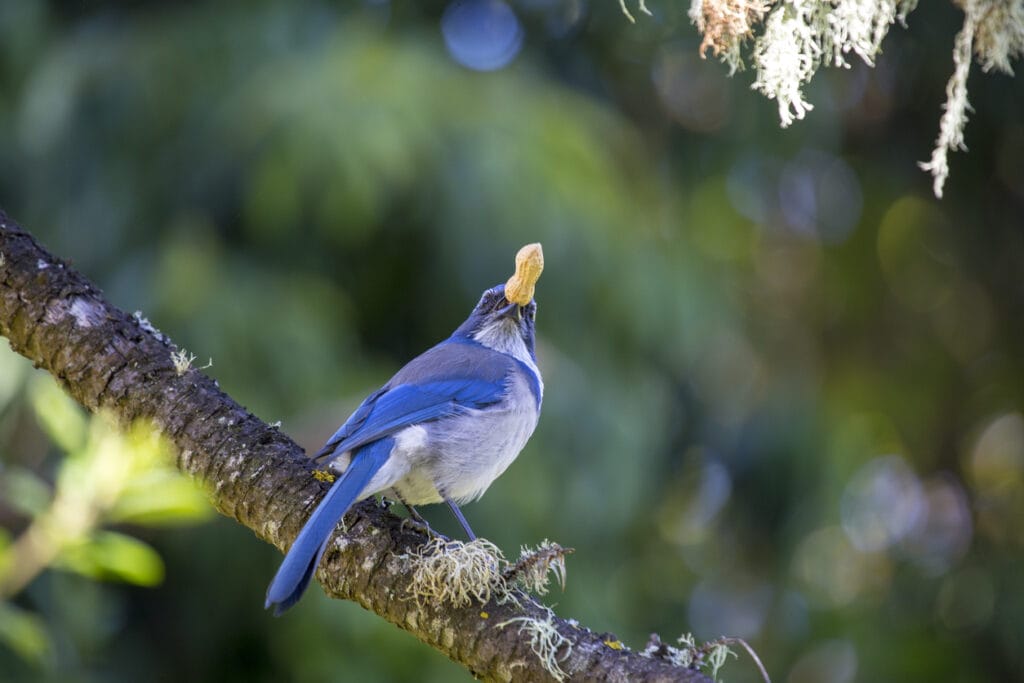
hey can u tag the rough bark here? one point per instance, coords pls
(107, 359)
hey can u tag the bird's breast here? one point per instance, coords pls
(459, 457)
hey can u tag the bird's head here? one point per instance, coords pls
(504, 317)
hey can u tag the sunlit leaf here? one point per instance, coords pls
(113, 556)
(25, 634)
(5, 545)
(161, 497)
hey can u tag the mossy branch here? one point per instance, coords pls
(108, 359)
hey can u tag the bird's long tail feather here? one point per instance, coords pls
(303, 557)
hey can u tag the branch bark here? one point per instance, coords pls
(255, 474)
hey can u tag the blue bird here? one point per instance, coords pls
(442, 429)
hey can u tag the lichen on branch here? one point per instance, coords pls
(789, 40)
(993, 32)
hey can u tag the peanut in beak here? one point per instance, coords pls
(529, 265)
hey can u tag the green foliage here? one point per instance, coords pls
(104, 477)
(112, 556)
(25, 633)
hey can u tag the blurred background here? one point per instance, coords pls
(784, 383)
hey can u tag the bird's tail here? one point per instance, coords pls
(303, 557)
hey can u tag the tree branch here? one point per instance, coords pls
(108, 359)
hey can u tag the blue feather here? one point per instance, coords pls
(444, 381)
(455, 358)
(302, 559)
(354, 422)
(408, 404)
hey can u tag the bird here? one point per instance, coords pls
(442, 429)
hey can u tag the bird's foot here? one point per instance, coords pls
(415, 522)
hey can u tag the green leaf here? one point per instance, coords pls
(161, 498)
(23, 491)
(113, 556)
(5, 550)
(25, 634)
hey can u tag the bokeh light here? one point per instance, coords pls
(698, 495)
(739, 608)
(943, 533)
(694, 96)
(882, 503)
(820, 196)
(483, 35)
(996, 468)
(814, 195)
(836, 573)
(915, 254)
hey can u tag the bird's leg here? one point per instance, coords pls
(458, 515)
(415, 519)
(415, 515)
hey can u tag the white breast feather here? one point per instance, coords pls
(503, 337)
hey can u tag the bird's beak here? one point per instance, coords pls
(510, 309)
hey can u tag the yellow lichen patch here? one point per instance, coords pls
(323, 475)
(485, 615)
(529, 265)
(614, 644)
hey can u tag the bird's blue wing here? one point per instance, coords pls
(444, 381)
(354, 422)
(410, 404)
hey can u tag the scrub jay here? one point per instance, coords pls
(442, 429)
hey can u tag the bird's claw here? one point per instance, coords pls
(422, 526)
(419, 525)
